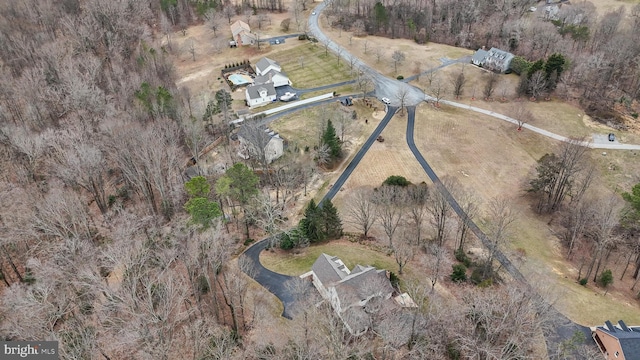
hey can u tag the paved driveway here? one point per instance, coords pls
(272, 281)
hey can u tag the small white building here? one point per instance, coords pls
(262, 94)
(242, 34)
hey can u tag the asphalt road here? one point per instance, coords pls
(356, 159)
(272, 281)
(396, 91)
(561, 328)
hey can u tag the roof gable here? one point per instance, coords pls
(238, 27)
(629, 338)
(254, 90)
(329, 269)
(265, 62)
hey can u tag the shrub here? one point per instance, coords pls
(606, 278)
(459, 273)
(112, 200)
(248, 242)
(400, 77)
(462, 257)
(396, 180)
(634, 115)
(583, 281)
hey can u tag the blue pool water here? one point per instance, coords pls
(238, 79)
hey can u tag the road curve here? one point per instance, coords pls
(272, 281)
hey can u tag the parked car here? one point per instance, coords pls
(612, 137)
(313, 13)
(277, 41)
(288, 96)
(386, 100)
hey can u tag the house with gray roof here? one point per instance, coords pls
(351, 292)
(272, 76)
(264, 65)
(495, 59)
(260, 142)
(262, 94)
(619, 341)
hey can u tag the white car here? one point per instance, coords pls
(313, 13)
(288, 96)
(386, 100)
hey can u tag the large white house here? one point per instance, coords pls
(260, 142)
(269, 76)
(260, 94)
(350, 292)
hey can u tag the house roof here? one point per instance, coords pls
(329, 269)
(629, 338)
(268, 77)
(238, 27)
(479, 56)
(264, 63)
(362, 285)
(499, 54)
(266, 135)
(254, 90)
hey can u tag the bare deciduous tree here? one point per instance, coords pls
(388, 201)
(490, 85)
(361, 212)
(498, 227)
(398, 57)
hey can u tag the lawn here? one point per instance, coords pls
(350, 253)
(309, 66)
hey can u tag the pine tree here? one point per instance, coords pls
(309, 224)
(330, 138)
(330, 221)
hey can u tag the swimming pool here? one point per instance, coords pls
(238, 79)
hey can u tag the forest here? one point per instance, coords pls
(108, 247)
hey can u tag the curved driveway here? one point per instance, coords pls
(272, 281)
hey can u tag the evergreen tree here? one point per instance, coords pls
(555, 64)
(330, 221)
(330, 138)
(536, 66)
(309, 225)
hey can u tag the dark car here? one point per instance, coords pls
(612, 137)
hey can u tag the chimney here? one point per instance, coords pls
(623, 326)
(610, 326)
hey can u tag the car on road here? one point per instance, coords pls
(386, 100)
(612, 137)
(313, 13)
(277, 41)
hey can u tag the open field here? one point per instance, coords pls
(427, 56)
(604, 6)
(309, 66)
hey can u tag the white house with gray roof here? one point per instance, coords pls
(272, 76)
(495, 59)
(350, 291)
(261, 94)
(264, 65)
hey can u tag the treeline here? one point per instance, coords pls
(600, 48)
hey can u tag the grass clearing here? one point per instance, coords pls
(351, 254)
(309, 66)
